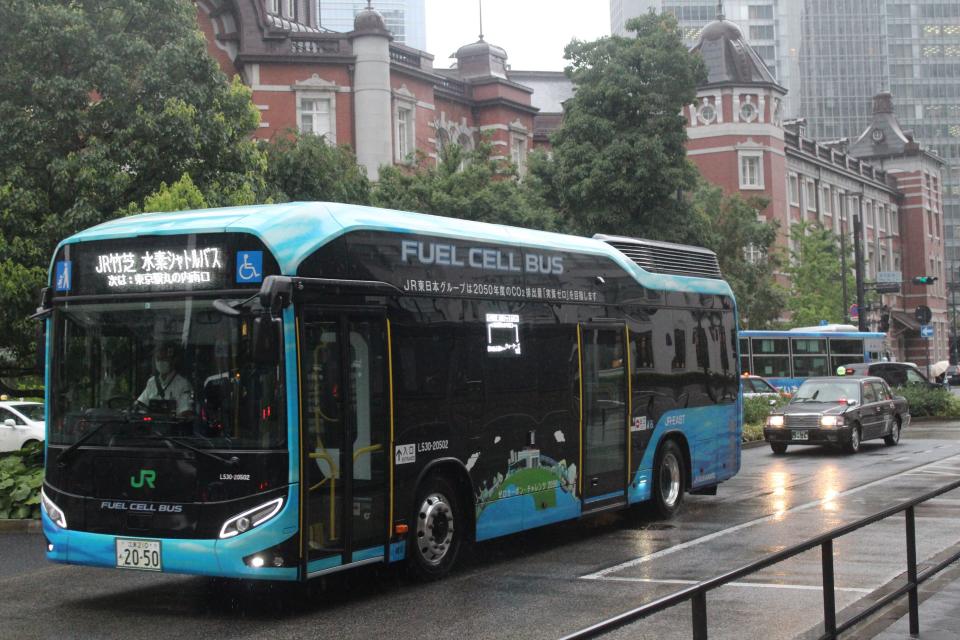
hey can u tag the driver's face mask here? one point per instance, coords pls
(163, 366)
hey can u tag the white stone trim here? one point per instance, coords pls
(735, 129)
(728, 149)
(426, 105)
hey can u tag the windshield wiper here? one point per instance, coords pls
(66, 453)
(232, 461)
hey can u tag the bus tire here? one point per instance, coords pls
(438, 524)
(779, 448)
(669, 480)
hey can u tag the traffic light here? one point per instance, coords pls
(924, 279)
(923, 314)
(884, 323)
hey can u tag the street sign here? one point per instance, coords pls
(890, 276)
(887, 287)
(926, 331)
(853, 312)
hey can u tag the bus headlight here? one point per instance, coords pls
(251, 518)
(831, 421)
(52, 510)
(775, 421)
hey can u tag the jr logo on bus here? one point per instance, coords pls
(146, 476)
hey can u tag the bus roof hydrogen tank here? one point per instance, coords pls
(279, 392)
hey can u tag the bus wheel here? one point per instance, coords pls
(669, 480)
(438, 529)
(779, 448)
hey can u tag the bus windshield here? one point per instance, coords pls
(161, 369)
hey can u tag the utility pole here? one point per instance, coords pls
(858, 259)
(843, 260)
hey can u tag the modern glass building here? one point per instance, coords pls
(406, 19)
(834, 55)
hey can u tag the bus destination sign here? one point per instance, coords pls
(149, 268)
(201, 262)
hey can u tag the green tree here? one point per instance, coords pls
(816, 289)
(745, 247)
(102, 101)
(470, 185)
(619, 160)
(306, 167)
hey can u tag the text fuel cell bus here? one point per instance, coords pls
(283, 391)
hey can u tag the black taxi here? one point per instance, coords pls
(838, 411)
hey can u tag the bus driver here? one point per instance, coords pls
(166, 384)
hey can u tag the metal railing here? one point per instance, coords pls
(697, 594)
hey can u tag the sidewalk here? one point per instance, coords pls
(939, 617)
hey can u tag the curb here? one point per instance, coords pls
(947, 422)
(753, 444)
(20, 526)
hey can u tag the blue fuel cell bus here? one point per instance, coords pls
(284, 391)
(787, 358)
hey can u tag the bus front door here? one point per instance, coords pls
(345, 404)
(605, 410)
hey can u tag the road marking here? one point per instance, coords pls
(758, 585)
(603, 573)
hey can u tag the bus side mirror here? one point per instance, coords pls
(267, 340)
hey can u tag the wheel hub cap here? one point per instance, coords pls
(670, 480)
(434, 528)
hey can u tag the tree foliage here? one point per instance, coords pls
(619, 159)
(745, 247)
(472, 185)
(305, 167)
(102, 101)
(816, 291)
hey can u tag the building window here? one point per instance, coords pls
(811, 195)
(518, 153)
(751, 170)
(315, 117)
(273, 6)
(404, 133)
(794, 190)
(761, 32)
(761, 12)
(707, 113)
(827, 201)
(748, 112)
(288, 10)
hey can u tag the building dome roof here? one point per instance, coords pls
(480, 48)
(369, 19)
(729, 57)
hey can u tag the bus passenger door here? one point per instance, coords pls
(345, 403)
(605, 410)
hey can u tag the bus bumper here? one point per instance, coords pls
(219, 558)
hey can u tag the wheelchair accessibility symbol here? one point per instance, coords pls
(250, 266)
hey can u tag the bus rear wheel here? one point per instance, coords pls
(669, 480)
(437, 529)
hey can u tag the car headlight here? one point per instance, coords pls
(775, 421)
(251, 518)
(831, 421)
(53, 512)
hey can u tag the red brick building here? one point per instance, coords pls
(739, 142)
(384, 100)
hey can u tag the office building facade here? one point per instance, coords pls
(405, 19)
(834, 55)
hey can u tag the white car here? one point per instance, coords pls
(21, 423)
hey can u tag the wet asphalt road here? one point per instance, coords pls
(553, 581)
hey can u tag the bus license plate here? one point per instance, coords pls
(143, 555)
(800, 435)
